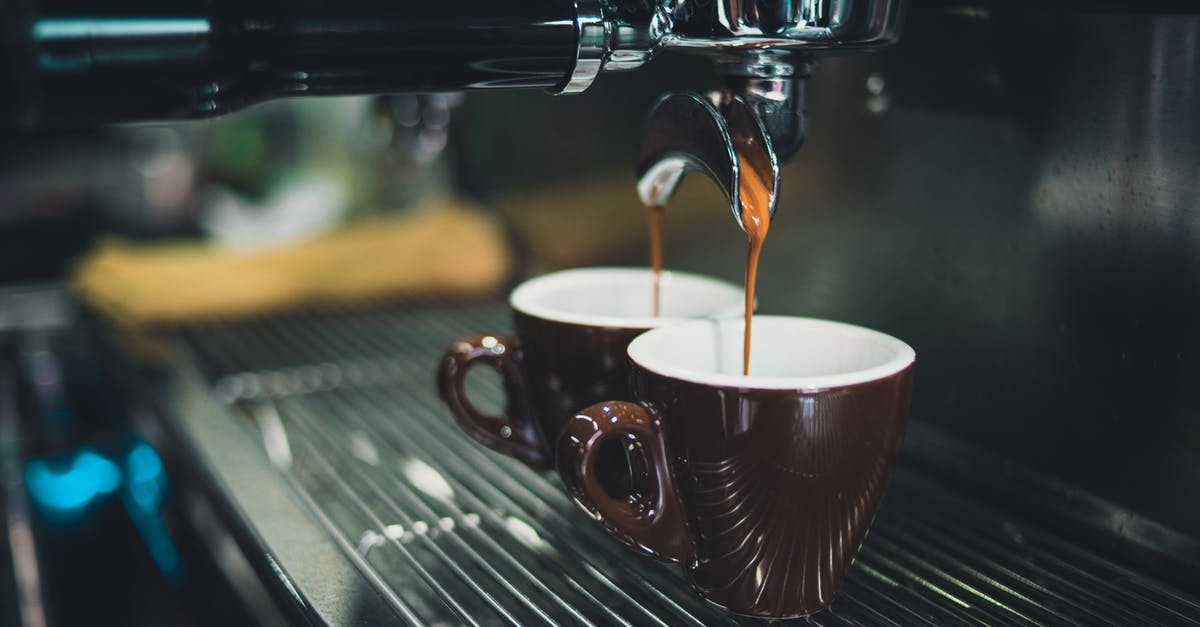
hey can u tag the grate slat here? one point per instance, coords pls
(551, 501)
(415, 502)
(1001, 564)
(1051, 554)
(394, 509)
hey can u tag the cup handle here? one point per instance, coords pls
(651, 523)
(514, 433)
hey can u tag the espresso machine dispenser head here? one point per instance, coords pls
(744, 36)
(764, 51)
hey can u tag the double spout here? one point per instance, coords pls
(735, 135)
(762, 49)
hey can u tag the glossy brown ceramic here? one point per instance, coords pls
(550, 369)
(764, 495)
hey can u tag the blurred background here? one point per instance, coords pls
(1012, 192)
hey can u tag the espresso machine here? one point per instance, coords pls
(75, 66)
(1008, 186)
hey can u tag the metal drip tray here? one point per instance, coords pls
(323, 431)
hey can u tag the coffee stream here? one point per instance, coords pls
(756, 220)
(656, 249)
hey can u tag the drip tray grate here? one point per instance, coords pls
(447, 532)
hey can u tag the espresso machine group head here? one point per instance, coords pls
(763, 50)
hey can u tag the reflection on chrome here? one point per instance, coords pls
(363, 448)
(396, 532)
(368, 541)
(524, 532)
(274, 435)
(427, 479)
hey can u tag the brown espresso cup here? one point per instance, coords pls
(572, 330)
(762, 486)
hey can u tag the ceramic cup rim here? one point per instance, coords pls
(531, 297)
(642, 353)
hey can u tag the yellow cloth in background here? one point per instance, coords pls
(599, 219)
(447, 248)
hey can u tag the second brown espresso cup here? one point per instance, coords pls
(572, 331)
(762, 486)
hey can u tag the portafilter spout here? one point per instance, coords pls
(763, 50)
(757, 120)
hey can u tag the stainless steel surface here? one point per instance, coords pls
(28, 603)
(749, 40)
(630, 32)
(687, 133)
(316, 575)
(756, 24)
(409, 516)
(26, 313)
(776, 89)
(808, 23)
(34, 307)
(591, 49)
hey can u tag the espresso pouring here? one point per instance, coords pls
(756, 220)
(656, 248)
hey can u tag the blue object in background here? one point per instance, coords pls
(145, 477)
(145, 489)
(69, 488)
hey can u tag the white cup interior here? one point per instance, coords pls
(785, 353)
(624, 297)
